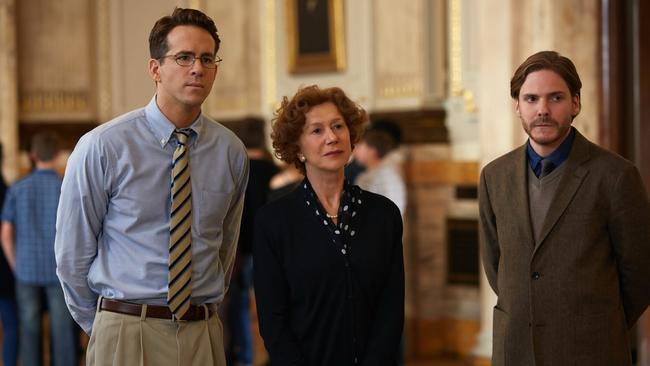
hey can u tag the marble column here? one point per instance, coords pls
(483, 348)
(498, 128)
(9, 89)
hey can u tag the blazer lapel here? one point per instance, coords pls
(520, 195)
(573, 177)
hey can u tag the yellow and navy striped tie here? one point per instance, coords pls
(180, 240)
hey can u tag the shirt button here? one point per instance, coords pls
(536, 275)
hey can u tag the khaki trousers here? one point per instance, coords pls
(125, 340)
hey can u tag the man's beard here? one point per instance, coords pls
(548, 123)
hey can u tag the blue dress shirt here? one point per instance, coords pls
(31, 207)
(557, 157)
(113, 218)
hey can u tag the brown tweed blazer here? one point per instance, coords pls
(570, 298)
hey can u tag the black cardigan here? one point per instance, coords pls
(315, 310)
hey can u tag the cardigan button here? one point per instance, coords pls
(536, 275)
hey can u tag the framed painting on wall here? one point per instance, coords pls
(315, 36)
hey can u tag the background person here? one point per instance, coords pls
(388, 125)
(8, 309)
(240, 346)
(329, 273)
(381, 176)
(285, 181)
(28, 230)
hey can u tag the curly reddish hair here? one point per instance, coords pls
(289, 120)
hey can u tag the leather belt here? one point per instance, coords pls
(195, 312)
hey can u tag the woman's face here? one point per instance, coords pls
(325, 140)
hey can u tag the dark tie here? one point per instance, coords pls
(547, 168)
(180, 238)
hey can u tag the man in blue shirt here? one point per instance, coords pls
(28, 229)
(118, 238)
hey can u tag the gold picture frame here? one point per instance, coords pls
(315, 36)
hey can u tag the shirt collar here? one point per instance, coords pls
(163, 128)
(557, 157)
(44, 171)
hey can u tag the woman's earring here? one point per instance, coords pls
(301, 157)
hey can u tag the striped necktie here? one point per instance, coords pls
(180, 240)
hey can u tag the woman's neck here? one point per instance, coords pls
(328, 188)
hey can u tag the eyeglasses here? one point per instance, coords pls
(187, 60)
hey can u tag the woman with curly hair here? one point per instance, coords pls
(329, 272)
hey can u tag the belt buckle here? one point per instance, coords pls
(176, 320)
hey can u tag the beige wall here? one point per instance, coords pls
(130, 24)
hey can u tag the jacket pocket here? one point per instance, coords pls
(602, 339)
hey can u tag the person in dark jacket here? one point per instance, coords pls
(239, 349)
(329, 272)
(8, 309)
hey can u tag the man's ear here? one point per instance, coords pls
(576, 105)
(516, 105)
(154, 70)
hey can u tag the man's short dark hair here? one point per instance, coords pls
(45, 146)
(390, 126)
(251, 133)
(547, 60)
(158, 46)
(380, 140)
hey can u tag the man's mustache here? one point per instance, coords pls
(543, 121)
